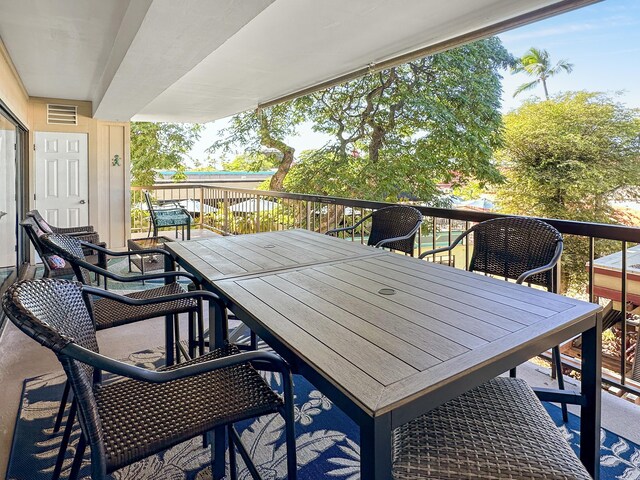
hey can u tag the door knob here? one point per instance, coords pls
(82, 202)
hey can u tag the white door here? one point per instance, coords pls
(62, 178)
(7, 195)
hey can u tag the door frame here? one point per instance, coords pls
(85, 135)
(22, 199)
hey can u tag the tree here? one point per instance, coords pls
(396, 132)
(400, 131)
(564, 158)
(269, 127)
(160, 146)
(536, 63)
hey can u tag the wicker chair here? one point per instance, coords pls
(53, 268)
(391, 227)
(116, 311)
(148, 411)
(167, 217)
(497, 431)
(48, 228)
(518, 248)
(109, 313)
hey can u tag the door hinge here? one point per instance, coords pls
(34, 196)
(34, 147)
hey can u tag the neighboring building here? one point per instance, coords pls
(218, 177)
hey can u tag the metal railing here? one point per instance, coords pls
(233, 211)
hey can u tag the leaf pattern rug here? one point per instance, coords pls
(327, 440)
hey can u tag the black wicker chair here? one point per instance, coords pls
(391, 227)
(110, 313)
(149, 411)
(34, 232)
(497, 431)
(116, 311)
(167, 217)
(518, 248)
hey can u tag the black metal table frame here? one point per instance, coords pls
(376, 432)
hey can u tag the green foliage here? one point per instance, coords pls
(252, 162)
(395, 132)
(536, 63)
(278, 218)
(160, 146)
(563, 158)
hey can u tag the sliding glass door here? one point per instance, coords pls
(12, 141)
(8, 214)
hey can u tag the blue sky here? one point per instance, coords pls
(602, 41)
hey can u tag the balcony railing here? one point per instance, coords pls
(233, 211)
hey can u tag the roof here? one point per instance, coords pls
(201, 60)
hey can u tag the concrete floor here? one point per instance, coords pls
(21, 357)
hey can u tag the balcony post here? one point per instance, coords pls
(225, 208)
(201, 207)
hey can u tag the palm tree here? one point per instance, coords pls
(536, 63)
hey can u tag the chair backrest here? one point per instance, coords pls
(70, 249)
(55, 314)
(147, 197)
(39, 221)
(34, 233)
(392, 222)
(508, 247)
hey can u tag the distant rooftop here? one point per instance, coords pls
(214, 172)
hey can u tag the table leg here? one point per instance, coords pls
(169, 266)
(217, 328)
(591, 391)
(375, 449)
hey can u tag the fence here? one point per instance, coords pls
(233, 211)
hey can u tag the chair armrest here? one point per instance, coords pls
(337, 230)
(136, 278)
(446, 249)
(113, 253)
(404, 237)
(544, 268)
(201, 294)
(102, 362)
(346, 229)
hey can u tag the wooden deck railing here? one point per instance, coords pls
(233, 211)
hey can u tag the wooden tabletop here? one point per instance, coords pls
(388, 329)
(232, 256)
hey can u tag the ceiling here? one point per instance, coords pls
(200, 60)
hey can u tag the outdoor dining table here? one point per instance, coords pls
(388, 337)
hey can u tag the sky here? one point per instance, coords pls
(602, 41)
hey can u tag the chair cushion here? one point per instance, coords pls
(171, 218)
(55, 262)
(111, 313)
(497, 431)
(140, 419)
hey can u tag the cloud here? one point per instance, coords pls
(569, 28)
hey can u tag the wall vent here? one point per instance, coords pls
(62, 114)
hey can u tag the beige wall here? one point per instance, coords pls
(109, 197)
(12, 92)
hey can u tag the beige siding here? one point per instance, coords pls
(108, 185)
(12, 92)
(109, 197)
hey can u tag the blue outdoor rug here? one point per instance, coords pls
(327, 439)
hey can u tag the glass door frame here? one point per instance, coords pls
(22, 194)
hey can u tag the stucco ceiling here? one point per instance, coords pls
(199, 60)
